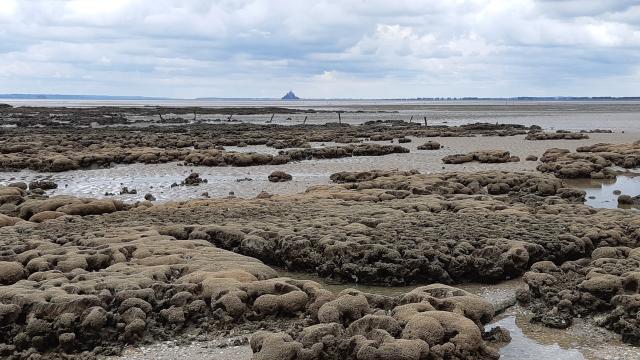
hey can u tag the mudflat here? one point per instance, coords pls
(196, 252)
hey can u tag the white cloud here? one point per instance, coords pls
(327, 75)
(8, 8)
(350, 48)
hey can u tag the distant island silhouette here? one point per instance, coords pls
(290, 96)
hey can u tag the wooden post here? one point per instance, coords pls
(339, 118)
(161, 116)
(271, 120)
(304, 121)
(195, 115)
(425, 121)
(410, 120)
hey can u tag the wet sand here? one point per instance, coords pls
(529, 341)
(551, 115)
(197, 350)
(157, 178)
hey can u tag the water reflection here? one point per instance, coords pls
(600, 193)
(523, 347)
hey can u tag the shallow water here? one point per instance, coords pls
(569, 115)
(583, 340)
(600, 193)
(524, 348)
(157, 178)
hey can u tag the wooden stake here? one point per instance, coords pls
(425, 121)
(410, 120)
(339, 118)
(304, 121)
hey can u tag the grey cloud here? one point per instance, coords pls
(372, 47)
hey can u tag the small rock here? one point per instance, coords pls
(125, 191)
(43, 185)
(280, 176)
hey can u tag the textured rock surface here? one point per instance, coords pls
(484, 156)
(63, 147)
(279, 176)
(590, 161)
(559, 135)
(76, 282)
(605, 286)
(430, 322)
(430, 145)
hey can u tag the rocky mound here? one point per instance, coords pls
(193, 179)
(430, 145)
(66, 290)
(88, 285)
(57, 147)
(333, 152)
(483, 156)
(402, 230)
(347, 176)
(559, 135)
(521, 187)
(18, 204)
(288, 143)
(72, 293)
(43, 184)
(435, 321)
(590, 161)
(623, 155)
(597, 131)
(565, 164)
(279, 176)
(105, 157)
(629, 200)
(604, 287)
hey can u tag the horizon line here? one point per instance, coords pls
(53, 96)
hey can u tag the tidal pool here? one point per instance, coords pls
(600, 193)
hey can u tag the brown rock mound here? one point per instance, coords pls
(483, 156)
(606, 286)
(559, 135)
(279, 176)
(430, 145)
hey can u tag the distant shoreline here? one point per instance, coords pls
(150, 98)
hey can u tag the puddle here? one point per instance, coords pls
(522, 347)
(600, 193)
(582, 341)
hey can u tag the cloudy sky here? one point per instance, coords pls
(341, 48)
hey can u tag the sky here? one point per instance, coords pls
(321, 49)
